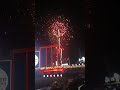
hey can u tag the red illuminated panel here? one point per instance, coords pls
(52, 70)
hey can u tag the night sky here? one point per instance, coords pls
(72, 10)
(107, 27)
(102, 41)
(16, 25)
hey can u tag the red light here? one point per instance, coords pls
(52, 70)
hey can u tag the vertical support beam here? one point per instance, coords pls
(12, 88)
(13, 63)
(46, 57)
(51, 58)
(61, 56)
(27, 88)
(57, 55)
(40, 64)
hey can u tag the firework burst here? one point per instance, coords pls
(48, 29)
(63, 25)
(58, 26)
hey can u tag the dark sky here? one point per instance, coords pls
(73, 10)
(16, 25)
(102, 41)
(107, 26)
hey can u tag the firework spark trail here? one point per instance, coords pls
(62, 24)
(58, 26)
(48, 29)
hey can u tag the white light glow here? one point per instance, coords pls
(36, 60)
(65, 64)
(50, 75)
(75, 64)
(57, 75)
(83, 58)
(43, 75)
(47, 75)
(56, 63)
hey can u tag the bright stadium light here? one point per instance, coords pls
(83, 58)
(75, 64)
(56, 63)
(54, 75)
(50, 75)
(57, 75)
(36, 60)
(47, 75)
(65, 64)
(61, 75)
(43, 75)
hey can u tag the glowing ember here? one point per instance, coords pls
(52, 27)
(59, 27)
